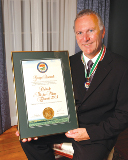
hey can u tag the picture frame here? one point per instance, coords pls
(44, 93)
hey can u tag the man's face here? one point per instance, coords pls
(88, 35)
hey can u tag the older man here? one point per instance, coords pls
(100, 89)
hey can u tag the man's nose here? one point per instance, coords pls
(86, 37)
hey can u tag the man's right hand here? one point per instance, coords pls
(25, 139)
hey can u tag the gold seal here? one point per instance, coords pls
(48, 113)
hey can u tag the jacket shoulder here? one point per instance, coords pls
(75, 56)
(118, 59)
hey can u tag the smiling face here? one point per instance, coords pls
(88, 35)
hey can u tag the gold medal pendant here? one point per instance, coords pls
(87, 84)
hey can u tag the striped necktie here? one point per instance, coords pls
(89, 64)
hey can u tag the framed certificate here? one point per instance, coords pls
(44, 93)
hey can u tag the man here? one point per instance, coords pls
(100, 96)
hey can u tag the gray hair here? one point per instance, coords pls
(89, 12)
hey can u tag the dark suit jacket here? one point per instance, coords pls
(103, 109)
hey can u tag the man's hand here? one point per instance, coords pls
(25, 139)
(78, 134)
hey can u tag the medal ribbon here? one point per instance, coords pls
(95, 65)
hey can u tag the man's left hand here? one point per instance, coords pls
(78, 134)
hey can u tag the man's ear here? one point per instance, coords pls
(103, 32)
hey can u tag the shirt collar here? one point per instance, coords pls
(93, 59)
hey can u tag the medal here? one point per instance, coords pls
(87, 84)
(95, 65)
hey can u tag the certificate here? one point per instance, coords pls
(44, 93)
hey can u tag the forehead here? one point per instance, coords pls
(87, 21)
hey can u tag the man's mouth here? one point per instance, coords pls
(87, 44)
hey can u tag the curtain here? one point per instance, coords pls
(37, 25)
(100, 6)
(5, 122)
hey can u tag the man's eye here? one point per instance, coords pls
(79, 33)
(91, 30)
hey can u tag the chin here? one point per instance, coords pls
(87, 52)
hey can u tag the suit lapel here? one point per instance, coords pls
(80, 72)
(102, 71)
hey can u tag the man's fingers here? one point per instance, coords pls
(29, 139)
(17, 133)
(24, 140)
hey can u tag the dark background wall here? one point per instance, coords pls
(118, 27)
